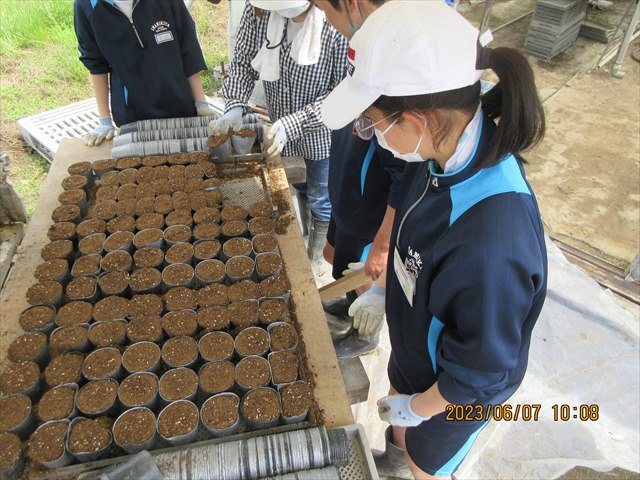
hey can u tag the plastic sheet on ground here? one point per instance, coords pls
(584, 351)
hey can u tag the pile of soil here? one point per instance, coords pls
(220, 412)
(62, 230)
(11, 451)
(89, 436)
(261, 405)
(268, 263)
(48, 292)
(206, 249)
(179, 253)
(37, 317)
(284, 367)
(93, 243)
(206, 215)
(179, 351)
(81, 287)
(260, 209)
(150, 220)
(177, 233)
(178, 419)
(252, 341)
(57, 249)
(206, 231)
(140, 357)
(235, 228)
(276, 286)
(180, 216)
(215, 317)
(118, 241)
(272, 310)
(243, 314)
(74, 337)
(237, 246)
(137, 389)
(233, 212)
(261, 225)
(55, 269)
(145, 279)
(147, 237)
(123, 223)
(97, 396)
(145, 328)
(238, 267)
(283, 337)
(244, 290)
(101, 363)
(145, 304)
(135, 427)
(178, 274)
(86, 265)
(178, 383)
(15, 410)
(56, 404)
(104, 210)
(264, 243)
(216, 377)
(148, 257)
(64, 368)
(107, 334)
(47, 442)
(296, 399)
(111, 308)
(253, 372)
(210, 271)
(180, 323)
(27, 346)
(73, 182)
(180, 298)
(66, 213)
(91, 226)
(215, 346)
(117, 260)
(214, 294)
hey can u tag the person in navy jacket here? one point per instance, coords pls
(145, 56)
(467, 270)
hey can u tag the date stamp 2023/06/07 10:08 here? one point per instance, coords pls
(528, 412)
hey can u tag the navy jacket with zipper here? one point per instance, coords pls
(148, 60)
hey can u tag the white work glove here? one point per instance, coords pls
(105, 130)
(232, 120)
(276, 139)
(368, 311)
(353, 267)
(204, 108)
(396, 410)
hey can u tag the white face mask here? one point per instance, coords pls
(293, 12)
(407, 157)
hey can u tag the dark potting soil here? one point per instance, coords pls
(177, 274)
(74, 181)
(97, 396)
(113, 282)
(61, 231)
(101, 363)
(92, 243)
(237, 246)
(86, 265)
(54, 269)
(216, 346)
(109, 178)
(178, 383)
(177, 233)
(73, 337)
(296, 399)
(134, 427)
(264, 243)
(206, 231)
(206, 249)
(260, 209)
(261, 225)
(276, 286)
(145, 279)
(233, 212)
(47, 443)
(64, 368)
(193, 171)
(179, 351)
(178, 419)
(66, 213)
(107, 334)
(220, 412)
(37, 317)
(145, 328)
(150, 220)
(27, 346)
(214, 318)
(163, 205)
(56, 404)
(239, 267)
(145, 304)
(216, 377)
(106, 193)
(253, 372)
(148, 257)
(126, 207)
(284, 367)
(88, 436)
(179, 253)
(214, 294)
(234, 228)
(272, 310)
(57, 249)
(72, 197)
(117, 241)
(74, 313)
(104, 210)
(210, 270)
(15, 410)
(111, 308)
(268, 263)
(243, 314)
(180, 323)
(90, 226)
(18, 378)
(283, 337)
(48, 292)
(128, 162)
(123, 223)
(252, 341)
(180, 298)
(140, 357)
(244, 290)
(261, 405)
(180, 216)
(147, 237)
(206, 215)
(137, 389)
(10, 452)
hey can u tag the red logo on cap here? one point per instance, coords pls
(352, 54)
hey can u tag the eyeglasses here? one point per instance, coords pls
(363, 126)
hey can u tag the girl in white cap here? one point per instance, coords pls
(467, 269)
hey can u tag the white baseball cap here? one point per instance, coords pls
(272, 5)
(404, 48)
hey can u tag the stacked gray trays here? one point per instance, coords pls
(554, 27)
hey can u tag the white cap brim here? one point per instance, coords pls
(271, 5)
(344, 104)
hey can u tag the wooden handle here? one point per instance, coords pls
(344, 284)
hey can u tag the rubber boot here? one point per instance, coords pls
(391, 464)
(352, 344)
(304, 212)
(315, 245)
(340, 307)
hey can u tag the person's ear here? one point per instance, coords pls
(414, 121)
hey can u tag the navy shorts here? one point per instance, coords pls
(347, 249)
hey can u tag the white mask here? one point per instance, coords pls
(407, 157)
(293, 12)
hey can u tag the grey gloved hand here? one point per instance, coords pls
(230, 120)
(368, 311)
(105, 130)
(204, 108)
(396, 410)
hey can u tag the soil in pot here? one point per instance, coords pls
(55, 269)
(113, 282)
(296, 399)
(92, 243)
(145, 279)
(101, 363)
(146, 190)
(27, 347)
(234, 228)
(260, 209)
(116, 260)
(178, 419)
(261, 405)
(215, 141)
(208, 167)
(220, 412)
(106, 334)
(216, 377)
(272, 310)
(97, 396)
(126, 207)
(111, 308)
(264, 243)
(47, 443)
(163, 205)
(253, 372)
(148, 257)
(80, 168)
(206, 231)
(127, 192)
(179, 253)
(56, 404)
(193, 185)
(123, 223)
(11, 451)
(109, 178)
(145, 175)
(284, 367)
(179, 217)
(178, 274)
(90, 226)
(214, 198)
(179, 351)
(145, 304)
(180, 298)
(140, 357)
(57, 249)
(61, 231)
(237, 246)
(150, 220)
(178, 383)
(148, 237)
(215, 346)
(206, 215)
(198, 200)
(193, 171)
(66, 213)
(89, 436)
(135, 427)
(86, 265)
(64, 368)
(180, 323)
(181, 202)
(176, 171)
(73, 337)
(137, 389)
(261, 225)
(244, 290)
(106, 193)
(18, 378)
(177, 234)
(214, 318)
(128, 162)
(161, 171)
(214, 294)
(145, 328)
(100, 167)
(48, 292)
(276, 286)
(239, 267)
(283, 337)
(127, 175)
(210, 271)
(268, 263)
(233, 212)
(73, 182)
(252, 341)
(243, 314)
(15, 410)
(37, 317)
(118, 241)
(206, 249)
(104, 210)
(154, 160)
